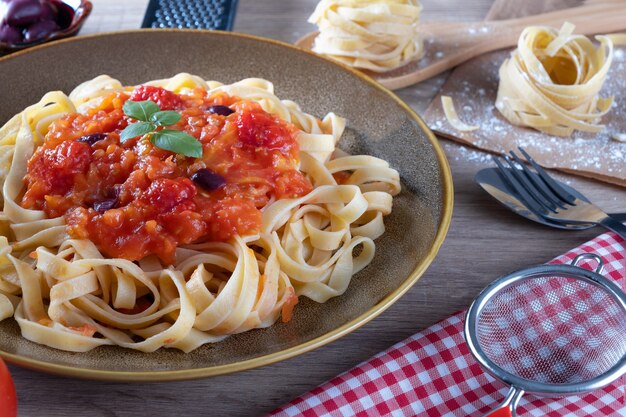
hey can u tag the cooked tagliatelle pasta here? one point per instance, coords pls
(553, 79)
(453, 117)
(377, 35)
(109, 238)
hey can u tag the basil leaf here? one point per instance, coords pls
(165, 118)
(136, 129)
(140, 110)
(178, 142)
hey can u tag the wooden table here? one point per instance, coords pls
(484, 242)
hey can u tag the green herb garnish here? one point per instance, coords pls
(175, 140)
(136, 129)
(140, 110)
(149, 117)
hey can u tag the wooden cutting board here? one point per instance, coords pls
(473, 87)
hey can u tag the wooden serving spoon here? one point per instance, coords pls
(448, 44)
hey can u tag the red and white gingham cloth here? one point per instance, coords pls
(432, 373)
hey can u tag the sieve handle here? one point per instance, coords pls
(509, 405)
(599, 268)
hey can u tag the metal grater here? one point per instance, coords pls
(193, 14)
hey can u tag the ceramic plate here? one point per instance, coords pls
(379, 124)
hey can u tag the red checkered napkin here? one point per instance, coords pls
(432, 373)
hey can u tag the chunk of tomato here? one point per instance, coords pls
(261, 129)
(167, 100)
(8, 399)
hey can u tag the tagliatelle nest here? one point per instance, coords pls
(375, 35)
(553, 79)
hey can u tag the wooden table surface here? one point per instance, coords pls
(484, 242)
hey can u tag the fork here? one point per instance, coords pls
(546, 198)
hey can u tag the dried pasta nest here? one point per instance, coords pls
(553, 79)
(374, 35)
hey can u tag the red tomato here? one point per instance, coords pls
(261, 129)
(8, 400)
(167, 100)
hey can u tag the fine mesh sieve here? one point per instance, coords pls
(549, 330)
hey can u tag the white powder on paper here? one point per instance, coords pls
(471, 154)
(473, 30)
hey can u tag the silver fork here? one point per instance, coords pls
(546, 198)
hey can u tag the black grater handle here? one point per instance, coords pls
(193, 14)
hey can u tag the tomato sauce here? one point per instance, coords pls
(134, 199)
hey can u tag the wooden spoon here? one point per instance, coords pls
(448, 44)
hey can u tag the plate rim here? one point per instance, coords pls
(195, 373)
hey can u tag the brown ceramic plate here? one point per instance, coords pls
(379, 124)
